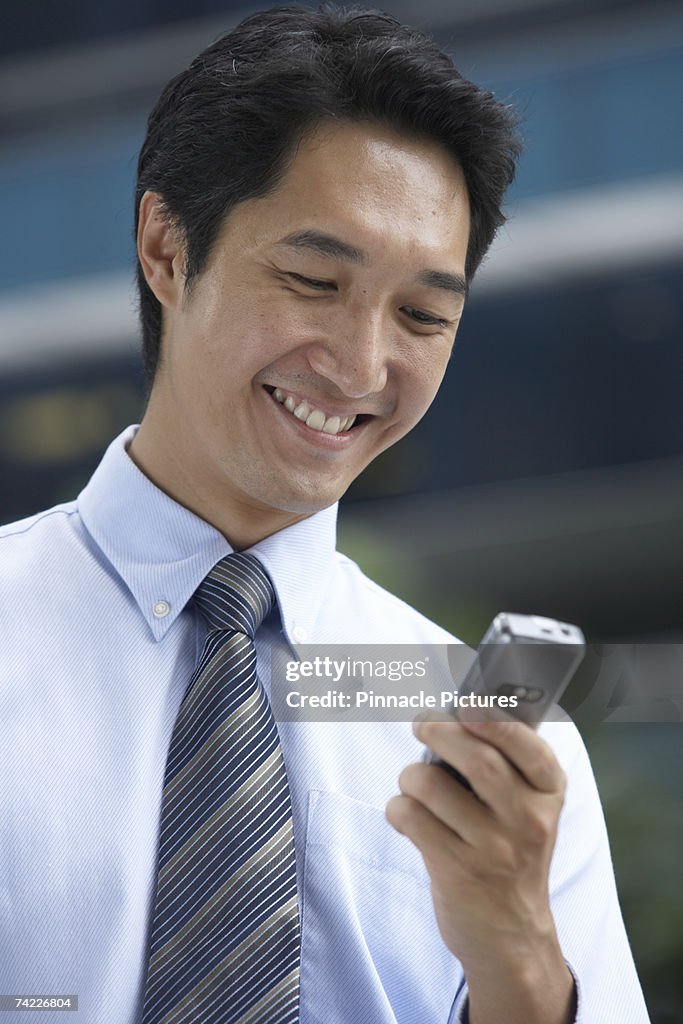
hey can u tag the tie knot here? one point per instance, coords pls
(237, 594)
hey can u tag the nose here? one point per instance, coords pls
(354, 354)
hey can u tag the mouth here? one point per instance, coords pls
(317, 419)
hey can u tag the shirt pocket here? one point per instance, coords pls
(371, 950)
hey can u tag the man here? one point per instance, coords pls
(314, 196)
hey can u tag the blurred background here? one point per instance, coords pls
(548, 476)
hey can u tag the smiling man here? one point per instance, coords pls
(316, 336)
(315, 194)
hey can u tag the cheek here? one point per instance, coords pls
(422, 376)
(232, 349)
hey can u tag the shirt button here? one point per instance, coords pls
(299, 635)
(161, 609)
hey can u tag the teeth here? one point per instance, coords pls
(314, 418)
(332, 425)
(316, 421)
(302, 411)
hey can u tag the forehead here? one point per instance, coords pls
(372, 186)
(357, 151)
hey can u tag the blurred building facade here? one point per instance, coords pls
(567, 370)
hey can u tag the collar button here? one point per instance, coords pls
(160, 609)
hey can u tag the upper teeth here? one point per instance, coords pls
(314, 418)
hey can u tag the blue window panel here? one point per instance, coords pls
(67, 207)
(68, 210)
(593, 125)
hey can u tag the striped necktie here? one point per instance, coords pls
(225, 942)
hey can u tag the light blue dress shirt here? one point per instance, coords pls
(97, 649)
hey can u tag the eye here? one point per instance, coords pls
(311, 282)
(424, 318)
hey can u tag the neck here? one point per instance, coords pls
(242, 523)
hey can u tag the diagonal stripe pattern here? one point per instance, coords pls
(225, 942)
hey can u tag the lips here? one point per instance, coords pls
(306, 411)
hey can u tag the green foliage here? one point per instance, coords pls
(638, 770)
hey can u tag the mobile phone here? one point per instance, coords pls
(523, 665)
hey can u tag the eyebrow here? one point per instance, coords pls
(454, 283)
(325, 245)
(334, 248)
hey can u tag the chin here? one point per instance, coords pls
(305, 507)
(306, 501)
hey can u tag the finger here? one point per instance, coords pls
(458, 808)
(442, 850)
(492, 777)
(525, 750)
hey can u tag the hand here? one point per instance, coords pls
(488, 855)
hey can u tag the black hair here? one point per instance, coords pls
(224, 130)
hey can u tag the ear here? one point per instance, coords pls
(160, 252)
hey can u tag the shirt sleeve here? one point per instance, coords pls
(584, 900)
(583, 896)
(460, 1010)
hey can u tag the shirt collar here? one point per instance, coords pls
(162, 551)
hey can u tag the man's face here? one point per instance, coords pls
(321, 306)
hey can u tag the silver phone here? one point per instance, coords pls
(524, 663)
